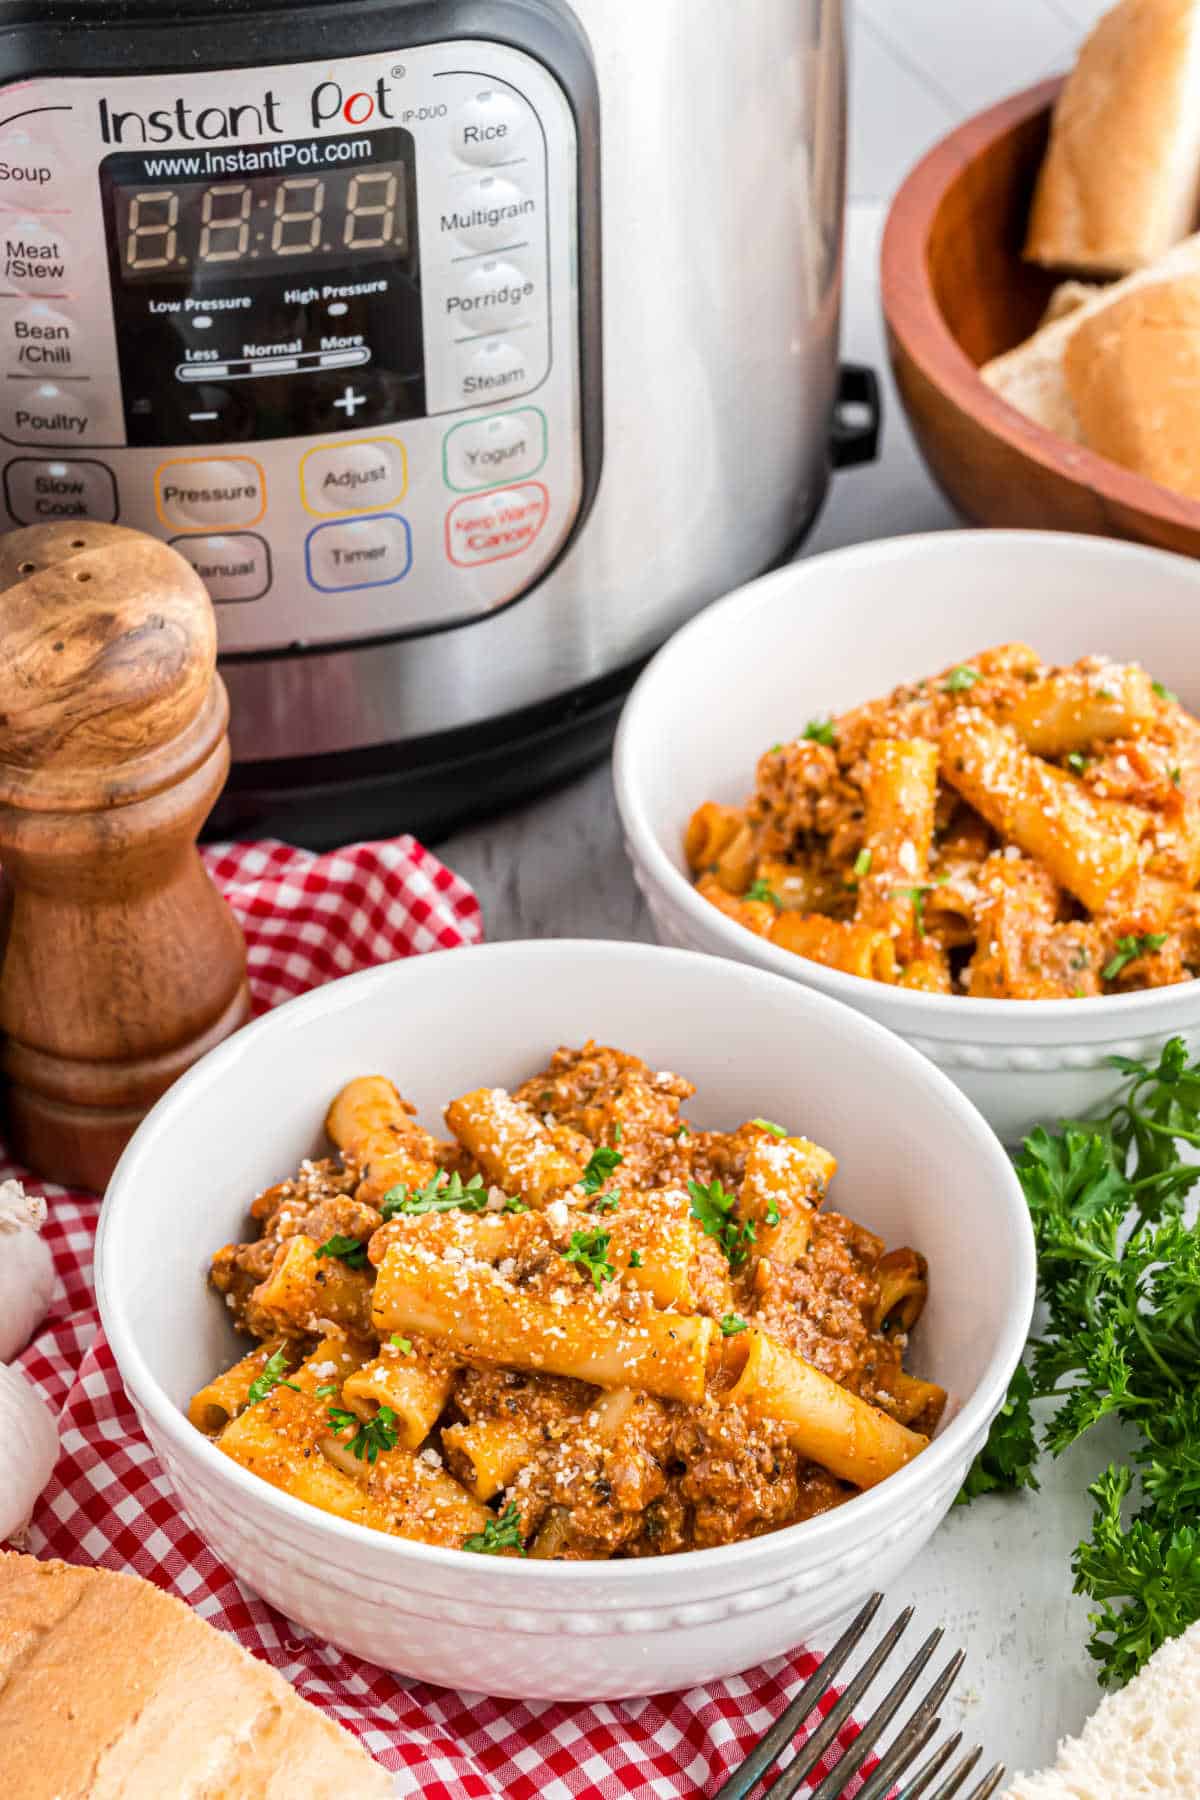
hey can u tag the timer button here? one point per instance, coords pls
(198, 494)
(488, 295)
(233, 567)
(491, 213)
(37, 492)
(360, 553)
(35, 257)
(490, 128)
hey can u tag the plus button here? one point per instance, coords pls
(350, 402)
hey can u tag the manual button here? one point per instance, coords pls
(200, 494)
(359, 476)
(235, 567)
(359, 553)
(39, 491)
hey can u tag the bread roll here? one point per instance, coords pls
(111, 1690)
(1133, 375)
(1121, 179)
(1141, 1744)
(1032, 377)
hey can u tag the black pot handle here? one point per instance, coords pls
(857, 417)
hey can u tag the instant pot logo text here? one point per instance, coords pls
(183, 122)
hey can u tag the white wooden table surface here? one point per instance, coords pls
(997, 1574)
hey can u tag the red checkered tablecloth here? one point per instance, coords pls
(309, 919)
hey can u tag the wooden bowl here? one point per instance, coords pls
(955, 293)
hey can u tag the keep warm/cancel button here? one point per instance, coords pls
(488, 527)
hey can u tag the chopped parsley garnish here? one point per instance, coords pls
(820, 731)
(370, 1435)
(772, 1217)
(499, 1534)
(862, 864)
(1176, 775)
(1077, 762)
(606, 1203)
(443, 1193)
(775, 749)
(732, 1323)
(713, 1207)
(635, 1259)
(402, 1344)
(1130, 948)
(918, 895)
(273, 1372)
(601, 1164)
(347, 1249)
(960, 680)
(762, 890)
(776, 1131)
(330, 1387)
(588, 1250)
(1164, 693)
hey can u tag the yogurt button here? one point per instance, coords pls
(490, 213)
(489, 294)
(492, 127)
(34, 256)
(482, 453)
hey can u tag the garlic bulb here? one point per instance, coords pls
(26, 1269)
(28, 1451)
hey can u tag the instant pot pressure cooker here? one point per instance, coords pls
(465, 347)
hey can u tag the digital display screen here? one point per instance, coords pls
(261, 224)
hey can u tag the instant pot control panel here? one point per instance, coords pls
(316, 324)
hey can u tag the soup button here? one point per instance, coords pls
(210, 494)
(496, 525)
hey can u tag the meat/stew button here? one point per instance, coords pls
(488, 527)
(210, 494)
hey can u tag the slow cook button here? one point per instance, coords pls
(216, 494)
(232, 567)
(359, 553)
(360, 476)
(488, 295)
(490, 213)
(491, 127)
(36, 258)
(38, 491)
(494, 526)
(40, 339)
(46, 412)
(505, 447)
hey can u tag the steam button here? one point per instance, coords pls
(492, 370)
(490, 128)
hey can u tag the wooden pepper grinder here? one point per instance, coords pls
(120, 964)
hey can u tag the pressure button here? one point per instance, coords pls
(198, 494)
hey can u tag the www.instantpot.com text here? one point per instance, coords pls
(250, 158)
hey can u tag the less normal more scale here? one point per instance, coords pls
(317, 324)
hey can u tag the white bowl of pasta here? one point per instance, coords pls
(471, 1415)
(945, 779)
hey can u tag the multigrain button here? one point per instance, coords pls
(35, 257)
(487, 295)
(494, 526)
(359, 553)
(491, 213)
(360, 476)
(47, 412)
(235, 566)
(38, 491)
(504, 447)
(492, 127)
(202, 494)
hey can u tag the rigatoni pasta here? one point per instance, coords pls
(592, 1329)
(1004, 829)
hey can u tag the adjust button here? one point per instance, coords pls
(232, 567)
(491, 127)
(359, 553)
(494, 526)
(197, 493)
(504, 447)
(487, 295)
(358, 476)
(38, 491)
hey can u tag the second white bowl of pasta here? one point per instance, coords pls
(599, 1387)
(952, 780)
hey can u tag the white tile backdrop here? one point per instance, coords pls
(919, 66)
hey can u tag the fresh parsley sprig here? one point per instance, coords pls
(601, 1164)
(961, 680)
(348, 1250)
(820, 731)
(370, 1435)
(588, 1250)
(762, 890)
(272, 1376)
(499, 1534)
(1119, 1271)
(443, 1193)
(918, 895)
(1130, 948)
(712, 1207)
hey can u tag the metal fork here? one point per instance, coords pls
(914, 1736)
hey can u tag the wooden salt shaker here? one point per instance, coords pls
(120, 964)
